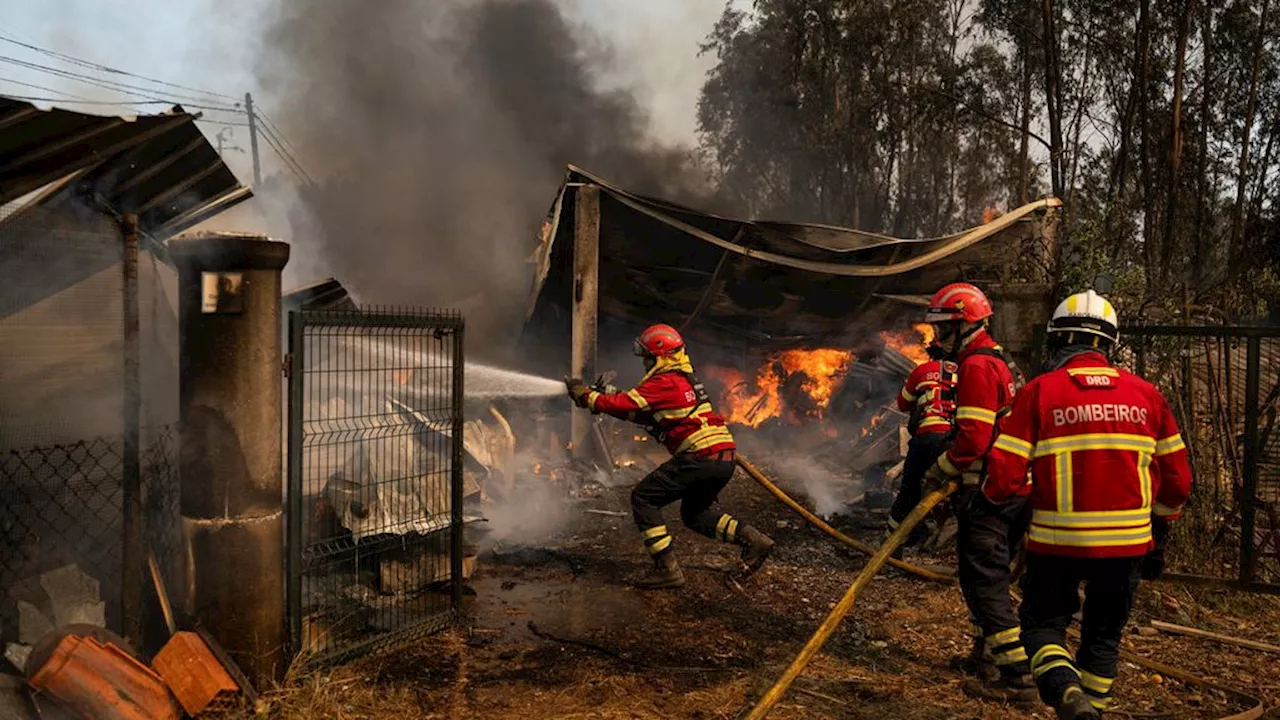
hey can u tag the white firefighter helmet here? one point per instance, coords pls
(1090, 315)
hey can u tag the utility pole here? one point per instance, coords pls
(253, 139)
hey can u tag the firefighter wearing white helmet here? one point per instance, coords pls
(1084, 320)
(1108, 471)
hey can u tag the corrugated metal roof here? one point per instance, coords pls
(764, 285)
(328, 294)
(160, 167)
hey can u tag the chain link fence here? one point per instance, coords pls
(67, 447)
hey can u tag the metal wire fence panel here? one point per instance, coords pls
(375, 477)
(1223, 384)
(66, 441)
(61, 505)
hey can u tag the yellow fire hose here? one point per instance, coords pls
(842, 608)
(823, 526)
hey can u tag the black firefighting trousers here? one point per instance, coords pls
(922, 452)
(696, 482)
(987, 539)
(1051, 597)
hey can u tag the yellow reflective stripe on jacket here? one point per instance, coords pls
(973, 412)
(1098, 519)
(1109, 372)
(1162, 510)
(1095, 441)
(638, 399)
(591, 400)
(934, 421)
(1171, 444)
(1105, 537)
(907, 396)
(706, 437)
(1013, 445)
(682, 412)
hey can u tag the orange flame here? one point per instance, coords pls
(752, 404)
(875, 420)
(911, 343)
(537, 468)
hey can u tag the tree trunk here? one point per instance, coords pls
(1053, 98)
(1242, 177)
(1077, 123)
(1118, 182)
(1149, 240)
(1200, 242)
(1175, 142)
(1024, 144)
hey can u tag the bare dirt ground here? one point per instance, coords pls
(555, 632)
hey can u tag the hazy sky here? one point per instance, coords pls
(211, 45)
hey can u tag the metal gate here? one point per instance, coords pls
(1224, 385)
(374, 501)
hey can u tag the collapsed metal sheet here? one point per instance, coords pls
(764, 285)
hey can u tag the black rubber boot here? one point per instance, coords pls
(665, 573)
(1006, 687)
(1074, 705)
(756, 547)
(977, 663)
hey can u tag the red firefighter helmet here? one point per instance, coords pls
(958, 301)
(658, 340)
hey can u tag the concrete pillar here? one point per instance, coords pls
(586, 292)
(229, 461)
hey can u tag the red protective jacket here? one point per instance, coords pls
(984, 388)
(930, 390)
(1104, 453)
(666, 402)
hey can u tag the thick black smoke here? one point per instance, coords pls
(440, 131)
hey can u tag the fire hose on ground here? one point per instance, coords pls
(842, 608)
(823, 526)
(881, 557)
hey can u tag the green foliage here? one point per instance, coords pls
(911, 118)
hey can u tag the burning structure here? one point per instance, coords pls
(793, 325)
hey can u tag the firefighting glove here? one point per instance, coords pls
(935, 478)
(578, 390)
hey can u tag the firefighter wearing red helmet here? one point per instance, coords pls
(1108, 472)
(671, 403)
(988, 534)
(929, 396)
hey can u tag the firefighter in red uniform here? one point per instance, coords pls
(1108, 472)
(988, 534)
(929, 396)
(674, 407)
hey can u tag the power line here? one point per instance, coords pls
(289, 161)
(101, 82)
(270, 125)
(222, 123)
(106, 68)
(42, 87)
(278, 144)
